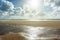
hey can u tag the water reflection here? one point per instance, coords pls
(32, 32)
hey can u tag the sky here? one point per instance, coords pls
(29, 9)
(17, 3)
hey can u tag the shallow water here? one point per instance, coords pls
(31, 32)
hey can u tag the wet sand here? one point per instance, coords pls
(12, 36)
(28, 23)
(33, 23)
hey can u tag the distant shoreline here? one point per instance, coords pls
(29, 20)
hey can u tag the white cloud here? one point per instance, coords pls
(6, 5)
(7, 11)
(55, 5)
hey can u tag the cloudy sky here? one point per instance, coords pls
(29, 9)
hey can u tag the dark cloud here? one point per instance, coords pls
(57, 3)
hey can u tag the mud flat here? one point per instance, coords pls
(33, 23)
